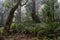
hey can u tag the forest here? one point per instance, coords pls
(29, 19)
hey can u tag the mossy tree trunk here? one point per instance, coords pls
(9, 19)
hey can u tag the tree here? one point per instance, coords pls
(35, 18)
(1, 19)
(10, 17)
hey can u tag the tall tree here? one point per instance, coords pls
(10, 17)
(1, 19)
(35, 18)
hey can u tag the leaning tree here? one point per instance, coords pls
(11, 15)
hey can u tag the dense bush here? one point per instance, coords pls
(42, 30)
(13, 28)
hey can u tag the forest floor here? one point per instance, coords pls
(18, 37)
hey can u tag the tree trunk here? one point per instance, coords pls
(1, 20)
(35, 18)
(10, 18)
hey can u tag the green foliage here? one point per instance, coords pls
(49, 28)
(9, 3)
(13, 27)
(42, 30)
(35, 38)
(1, 30)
